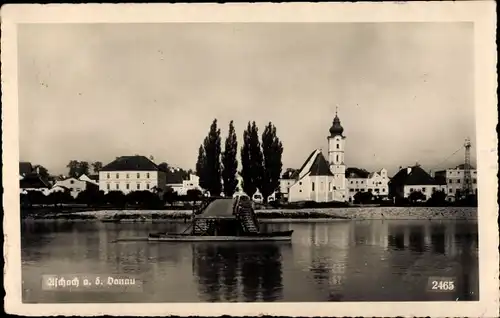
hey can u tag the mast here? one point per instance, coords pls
(467, 185)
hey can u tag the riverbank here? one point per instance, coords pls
(353, 213)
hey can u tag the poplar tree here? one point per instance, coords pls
(251, 160)
(229, 162)
(272, 150)
(200, 167)
(212, 168)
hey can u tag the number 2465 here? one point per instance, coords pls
(443, 285)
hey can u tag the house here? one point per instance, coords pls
(411, 179)
(25, 168)
(314, 181)
(33, 182)
(75, 186)
(90, 178)
(454, 179)
(360, 180)
(131, 173)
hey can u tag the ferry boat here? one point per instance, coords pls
(224, 219)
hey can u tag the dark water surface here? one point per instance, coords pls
(326, 261)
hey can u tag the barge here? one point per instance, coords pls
(223, 219)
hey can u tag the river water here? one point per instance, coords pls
(326, 261)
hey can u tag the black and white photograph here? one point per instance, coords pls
(340, 162)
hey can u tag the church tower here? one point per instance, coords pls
(336, 144)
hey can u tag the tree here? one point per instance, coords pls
(41, 171)
(193, 195)
(83, 168)
(59, 197)
(251, 160)
(437, 198)
(35, 197)
(200, 167)
(229, 162)
(212, 167)
(170, 196)
(116, 198)
(363, 197)
(91, 197)
(416, 196)
(96, 166)
(73, 167)
(272, 151)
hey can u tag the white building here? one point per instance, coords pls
(360, 180)
(74, 185)
(92, 179)
(454, 179)
(131, 173)
(319, 179)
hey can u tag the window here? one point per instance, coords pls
(351, 190)
(383, 189)
(300, 190)
(128, 186)
(362, 190)
(361, 182)
(117, 186)
(72, 181)
(147, 186)
(138, 186)
(451, 191)
(138, 175)
(474, 180)
(458, 180)
(376, 190)
(300, 183)
(147, 175)
(127, 175)
(338, 146)
(71, 189)
(423, 189)
(370, 190)
(312, 184)
(337, 158)
(108, 175)
(117, 175)
(108, 186)
(352, 182)
(411, 189)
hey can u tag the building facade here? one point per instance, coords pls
(75, 186)
(414, 179)
(131, 173)
(454, 178)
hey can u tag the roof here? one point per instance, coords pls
(295, 175)
(463, 165)
(320, 166)
(219, 208)
(131, 163)
(356, 173)
(25, 168)
(32, 181)
(417, 176)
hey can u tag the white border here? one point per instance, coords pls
(482, 13)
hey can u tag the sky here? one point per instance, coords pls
(404, 91)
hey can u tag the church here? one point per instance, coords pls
(321, 179)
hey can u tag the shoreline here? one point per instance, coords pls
(273, 215)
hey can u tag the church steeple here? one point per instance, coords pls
(336, 129)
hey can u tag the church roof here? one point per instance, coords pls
(320, 166)
(336, 129)
(315, 165)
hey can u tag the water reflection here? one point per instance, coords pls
(218, 267)
(331, 261)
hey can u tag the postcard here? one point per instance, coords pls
(307, 159)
